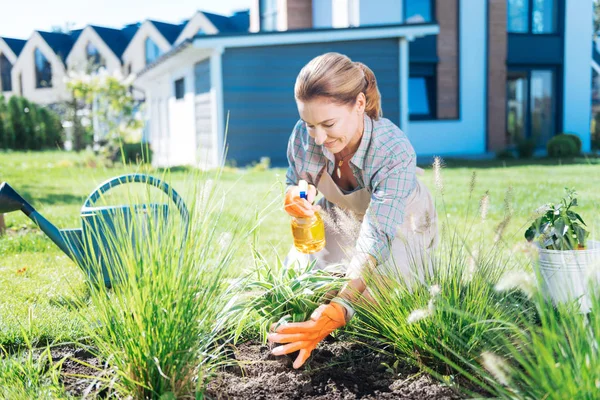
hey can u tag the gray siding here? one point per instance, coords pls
(258, 91)
(203, 110)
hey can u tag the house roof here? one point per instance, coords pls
(309, 35)
(238, 22)
(130, 30)
(169, 31)
(60, 43)
(16, 45)
(116, 39)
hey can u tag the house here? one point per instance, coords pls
(479, 76)
(9, 51)
(36, 68)
(40, 70)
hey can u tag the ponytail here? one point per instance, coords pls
(373, 107)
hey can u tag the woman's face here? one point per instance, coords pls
(333, 125)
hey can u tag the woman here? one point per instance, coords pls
(365, 167)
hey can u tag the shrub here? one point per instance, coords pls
(575, 140)
(135, 153)
(526, 147)
(562, 146)
(28, 126)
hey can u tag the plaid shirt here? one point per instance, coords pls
(385, 164)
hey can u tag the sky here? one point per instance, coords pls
(19, 19)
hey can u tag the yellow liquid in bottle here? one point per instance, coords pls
(309, 234)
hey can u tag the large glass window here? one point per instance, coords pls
(5, 69)
(542, 105)
(544, 16)
(152, 51)
(530, 106)
(516, 106)
(416, 11)
(531, 16)
(43, 70)
(421, 97)
(268, 15)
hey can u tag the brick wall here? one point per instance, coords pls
(447, 69)
(496, 87)
(299, 14)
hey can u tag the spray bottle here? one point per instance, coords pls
(309, 232)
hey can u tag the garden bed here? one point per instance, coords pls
(336, 370)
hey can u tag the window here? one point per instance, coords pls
(152, 51)
(531, 16)
(530, 108)
(416, 11)
(421, 97)
(179, 88)
(95, 60)
(201, 32)
(268, 15)
(5, 69)
(43, 70)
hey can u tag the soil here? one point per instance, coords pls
(78, 378)
(336, 370)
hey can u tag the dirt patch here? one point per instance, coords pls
(336, 370)
(80, 370)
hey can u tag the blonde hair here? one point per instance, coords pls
(335, 76)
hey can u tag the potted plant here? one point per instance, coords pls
(567, 259)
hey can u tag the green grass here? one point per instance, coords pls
(42, 289)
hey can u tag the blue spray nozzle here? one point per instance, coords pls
(303, 189)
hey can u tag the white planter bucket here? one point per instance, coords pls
(567, 274)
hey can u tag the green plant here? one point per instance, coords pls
(435, 323)
(505, 154)
(285, 292)
(559, 228)
(27, 375)
(554, 357)
(525, 147)
(164, 326)
(562, 146)
(134, 153)
(575, 138)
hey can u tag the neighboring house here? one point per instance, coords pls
(40, 70)
(100, 47)
(9, 51)
(36, 68)
(497, 71)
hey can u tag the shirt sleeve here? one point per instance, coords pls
(392, 183)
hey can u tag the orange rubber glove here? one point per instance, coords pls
(305, 336)
(297, 207)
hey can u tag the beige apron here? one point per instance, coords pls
(410, 251)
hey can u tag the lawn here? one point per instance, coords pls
(41, 288)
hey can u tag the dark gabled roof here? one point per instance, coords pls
(116, 39)
(169, 31)
(241, 21)
(60, 43)
(238, 22)
(16, 45)
(130, 30)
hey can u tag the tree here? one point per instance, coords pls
(110, 103)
